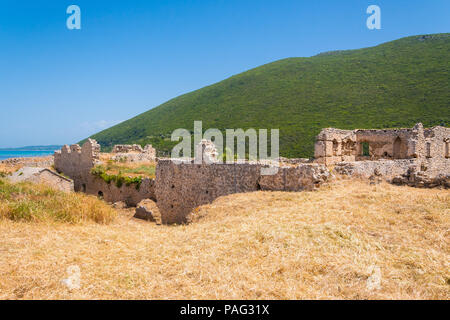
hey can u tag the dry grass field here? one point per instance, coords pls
(349, 240)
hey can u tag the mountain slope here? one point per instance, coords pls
(395, 84)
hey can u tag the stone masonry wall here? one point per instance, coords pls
(134, 153)
(128, 194)
(388, 169)
(185, 186)
(76, 162)
(391, 152)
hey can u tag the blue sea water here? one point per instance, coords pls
(6, 154)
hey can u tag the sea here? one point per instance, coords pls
(7, 154)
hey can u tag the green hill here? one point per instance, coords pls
(395, 84)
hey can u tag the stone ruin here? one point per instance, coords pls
(206, 152)
(184, 186)
(42, 176)
(134, 153)
(77, 162)
(125, 148)
(389, 153)
(181, 187)
(416, 156)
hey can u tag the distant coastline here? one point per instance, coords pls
(27, 152)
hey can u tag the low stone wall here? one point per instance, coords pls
(421, 179)
(304, 177)
(435, 167)
(131, 195)
(185, 186)
(388, 169)
(38, 162)
(395, 169)
(124, 148)
(42, 176)
(134, 153)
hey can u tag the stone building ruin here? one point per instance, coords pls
(77, 162)
(134, 153)
(386, 152)
(415, 156)
(42, 176)
(335, 145)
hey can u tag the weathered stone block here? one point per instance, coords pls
(148, 210)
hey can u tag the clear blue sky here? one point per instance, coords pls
(58, 86)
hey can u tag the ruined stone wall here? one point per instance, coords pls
(54, 180)
(385, 144)
(388, 169)
(76, 162)
(182, 187)
(436, 151)
(124, 148)
(42, 176)
(131, 195)
(134, 153)
(41, 162)
(392, 153)
(335, 145)
(429, 145)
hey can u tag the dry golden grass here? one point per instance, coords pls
(313, 245)
(7, 169)
(40, 203)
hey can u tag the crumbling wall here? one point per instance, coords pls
(388, 169)
(110, 192)
(420, 179)
(54, 180)
(392, 153)
(391, 143)
(76, 162)
(184, 186)
(335, 145)
(42, 176)
(303, 177)
(134, 153)
(436, 151)
(125, 148)
(206, 151)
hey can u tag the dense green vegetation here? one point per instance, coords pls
(396, 84)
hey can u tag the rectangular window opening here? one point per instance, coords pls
(365, 150)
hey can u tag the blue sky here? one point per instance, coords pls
(58, 86)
